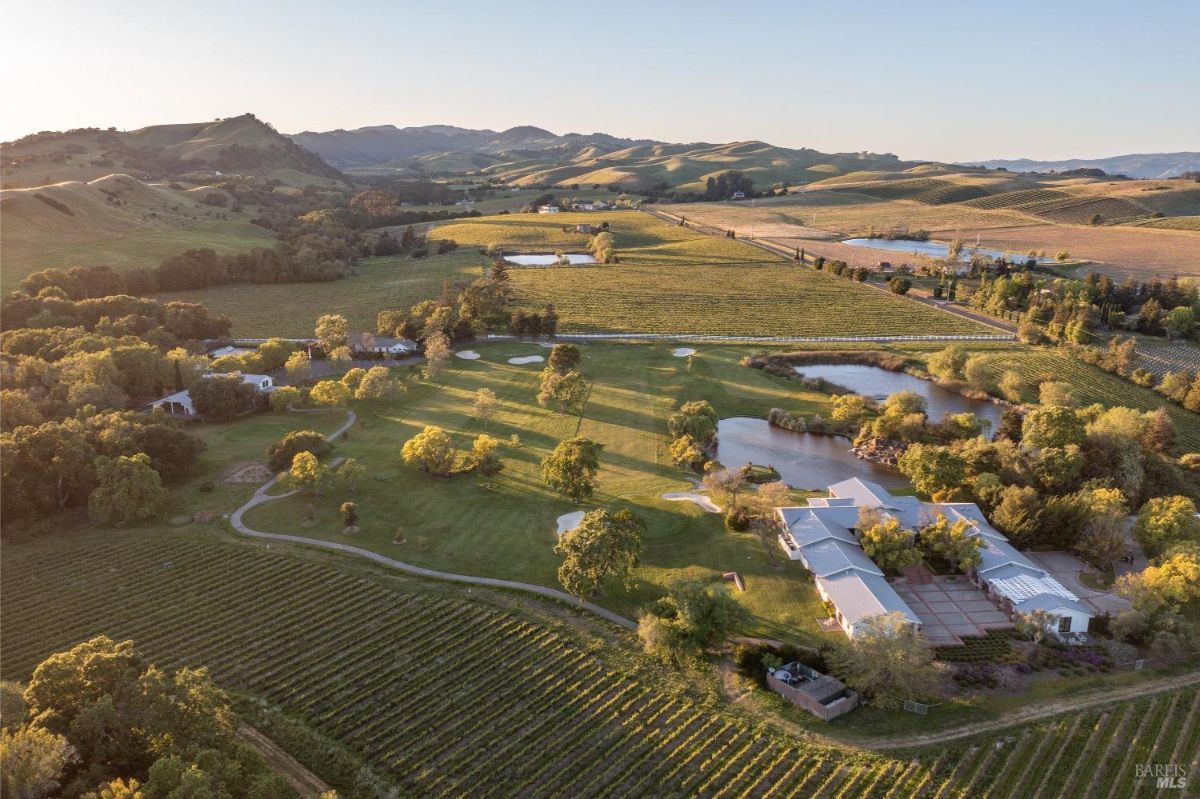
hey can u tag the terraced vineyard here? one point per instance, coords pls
(448, 694)
(930, 191)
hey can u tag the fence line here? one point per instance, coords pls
(778, 339)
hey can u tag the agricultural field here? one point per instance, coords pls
(1160, 356)
(291, 309)
(507, 528)
(673, 279)
(1014, 213)
(442, 692)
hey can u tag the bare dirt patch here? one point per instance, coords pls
(249, 473)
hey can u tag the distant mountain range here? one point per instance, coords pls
(384, 144)
(1142, 165)
(531, 156)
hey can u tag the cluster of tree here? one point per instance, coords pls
(119, 314)
(893, 547)
(1071, 310)
(726, 184)
(1062, 479)
(433, 452)
(693, 430)
(561, 385)
(114, 462)
(602, 248)
(100, 721)
(903, 417)
(693, 618)
(462, 310)
(1168, 589)
(840, 268)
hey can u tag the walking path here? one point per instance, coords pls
(1024, 715)
(261, 496)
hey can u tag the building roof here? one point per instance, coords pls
(183, 397)
(1023, 587)
(810, 525)
(830, 557)
(864, 493)
(860, 596)
(221, 352)
(1051, 603)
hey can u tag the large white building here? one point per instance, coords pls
(824, 536)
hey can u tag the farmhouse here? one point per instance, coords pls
(548, 209)
(368, 343)
(824, 536)
(180, 403)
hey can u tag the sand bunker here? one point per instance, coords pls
(547, 344)
(694, 498)
(569, 521)
(683, 352)
(526, 359)
(467, 355)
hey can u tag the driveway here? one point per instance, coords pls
(950, 610)
(1065, 567)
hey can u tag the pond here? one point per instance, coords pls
(936, 249)
(550, 259)
(803, 460)
(877, 383)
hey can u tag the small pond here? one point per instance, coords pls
(877, 383)
(550, 259)
(936, 249)
(803, 460)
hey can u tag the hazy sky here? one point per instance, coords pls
(945, 81)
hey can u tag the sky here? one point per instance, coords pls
(948, 81)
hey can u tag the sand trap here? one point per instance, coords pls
(569, 521)
(526, 359)
(467, 355)
(683, 352)
(547, 344)
(694, 498)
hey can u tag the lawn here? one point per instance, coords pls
(508, 529)
(292, 309)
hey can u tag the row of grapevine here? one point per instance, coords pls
(450, 697)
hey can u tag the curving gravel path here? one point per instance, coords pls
(261, 496)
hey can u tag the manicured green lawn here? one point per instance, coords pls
(507, 529)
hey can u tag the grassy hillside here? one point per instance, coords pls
(235, 145)
(115, 220)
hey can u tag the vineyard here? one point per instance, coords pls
(447, 695)
(1159, 356)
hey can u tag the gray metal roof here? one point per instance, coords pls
(831, 556)
(860, 596)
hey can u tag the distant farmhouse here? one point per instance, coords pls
(371, 344)
(180, 403)
(824, 536)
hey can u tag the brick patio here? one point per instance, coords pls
(951, 609)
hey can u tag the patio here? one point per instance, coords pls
(950, 609)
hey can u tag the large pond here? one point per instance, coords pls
(573, 258)
(936, 249)
(803, 460)
(877, 383)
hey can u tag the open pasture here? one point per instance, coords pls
(291, 309)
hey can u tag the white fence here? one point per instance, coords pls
(752, 339)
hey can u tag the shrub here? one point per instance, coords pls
(738, 519)
(283, 451)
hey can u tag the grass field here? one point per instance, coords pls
(115, 220)
(508, 529)
(673, 279)
(292, 309)
(447, 693)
